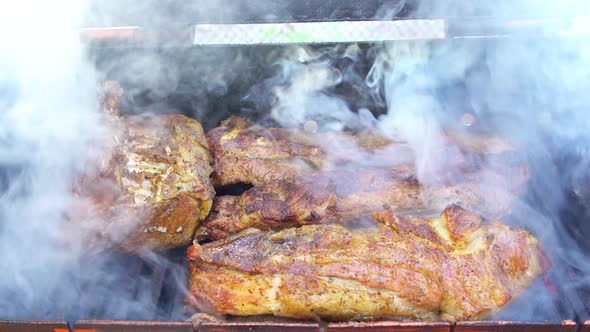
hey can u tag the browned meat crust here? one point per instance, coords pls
(245, 153)
(454, 267)
(303, 178)
(277, 205)
(151, 187)
(344, 197)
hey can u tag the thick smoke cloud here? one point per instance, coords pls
(50, 125)
(532, 90)
(48, 100)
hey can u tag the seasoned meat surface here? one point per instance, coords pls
(246, 153)
(457, 266)
(302, 178)
(150, 188)
(344, 197)
(276, 205)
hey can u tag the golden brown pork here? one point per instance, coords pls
(151, 186)
(454, 267)
(246, 153)
(303, 178)
(344, 197)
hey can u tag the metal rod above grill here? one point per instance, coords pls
(338, 32)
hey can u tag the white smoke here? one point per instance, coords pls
(306, 95)
(47, 122)
(50, 125)
(530, 88)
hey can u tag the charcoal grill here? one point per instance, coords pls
(282, 23)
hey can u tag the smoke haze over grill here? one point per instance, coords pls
(48, 100)
(532, 90)
(50, 129)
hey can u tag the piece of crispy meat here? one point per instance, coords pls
(150, 188)
(454, 267)
(344, 197)
(246, 153)
(303, 178)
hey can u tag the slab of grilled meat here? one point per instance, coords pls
(454, 267)
(346, 197)
(246, 153)
(303, 178)
(151, 186)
